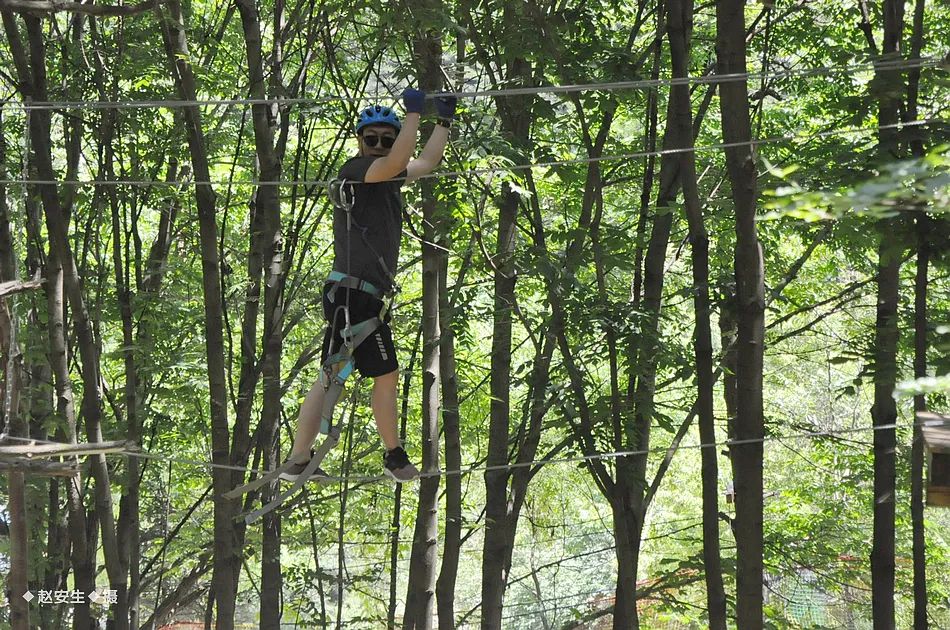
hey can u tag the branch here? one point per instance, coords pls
(18, 286)
(102, 10)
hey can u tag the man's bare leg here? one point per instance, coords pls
(308, 422)
(385, 408)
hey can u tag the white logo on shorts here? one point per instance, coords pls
(382, 348)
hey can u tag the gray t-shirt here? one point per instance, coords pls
(377, 226)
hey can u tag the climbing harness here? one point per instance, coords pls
(338, 366)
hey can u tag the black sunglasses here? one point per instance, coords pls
(387, 141)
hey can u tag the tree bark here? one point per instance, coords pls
(223, 581)
(448, 376)
(515, 121)
(884, 414)
(31, 73)
(127, 527)
(680, 31)
(18, 580)
(266, 207)
(37, 378)
(394, 529)
(494, 576)
(884, 411)
(921, 621)
(917, 451)
(750, 294)
(452, 536)
(11, 420)
(420, 600)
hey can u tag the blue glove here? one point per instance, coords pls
(445, 106)
(413, 100)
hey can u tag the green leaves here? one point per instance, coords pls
(910, 185)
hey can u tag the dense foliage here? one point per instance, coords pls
(586, 212)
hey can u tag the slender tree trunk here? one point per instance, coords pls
(77, 549)
(37, 378)
(750, 292)
(884, 414)
(680, 32)
(11, 420)
(81, 554)
(452, 536)
(420, 600)
(18, 580)
(267, 210)
(627, 501)
(516, 124)
(223, 581)
(127, 528)
(917, 452)
(920, 349)
(884, 410)
(496, 481)
(31, 72)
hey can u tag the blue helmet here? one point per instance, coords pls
(378, 115)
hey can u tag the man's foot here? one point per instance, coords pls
(293, 473)
(398, 466)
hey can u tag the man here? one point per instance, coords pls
(366, 249)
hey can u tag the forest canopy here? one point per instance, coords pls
(671, 318)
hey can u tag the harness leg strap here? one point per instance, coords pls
(333, 389)
(333, 381)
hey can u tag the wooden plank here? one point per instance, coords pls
(63, 450)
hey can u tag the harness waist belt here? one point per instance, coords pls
(346, 281)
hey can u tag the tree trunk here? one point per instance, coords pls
(628, 499)
(37, 377)
(223, 581)
(267, 211)
(127, 528)
(884, 414)
(82, 556)
(452, 536)
(920, 350)
(11, 419)
(750, 293)
(17, 581)
(680, 31)
(515, 124)
(420, 600)
(884, 410)
(917, 452)
(31, 73)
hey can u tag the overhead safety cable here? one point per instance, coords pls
(499, 169)
(634, 84)
(577, 459)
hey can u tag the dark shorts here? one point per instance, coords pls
(376, 356)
